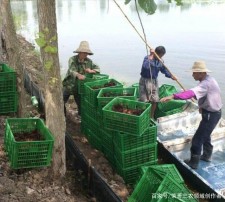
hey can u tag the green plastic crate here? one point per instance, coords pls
(127, 123)
(136, 156)
(27, 154)
(105, 95)
(95, 141)
(147, 185)
(166, 90)
(107, 137)
(171, 186)
(91, 111)
(164, 169)
(7, 78)
(94, 126)
(152, 184)
(160, 113)
(131, 175)
(84, 126)
(8, 102)
(92, 89)
(136, 85)
(126, 141)
(109, 154)
(90, 78)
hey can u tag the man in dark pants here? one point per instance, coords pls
(208, 94)
(78, 66)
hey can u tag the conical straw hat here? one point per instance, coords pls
(199, 66)
(84, 48)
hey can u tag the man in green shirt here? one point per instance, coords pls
(78, 65)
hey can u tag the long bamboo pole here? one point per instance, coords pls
(147, 43)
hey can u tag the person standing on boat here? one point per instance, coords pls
(148, 83)
(78, 65)
(208, 94)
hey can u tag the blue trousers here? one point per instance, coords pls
(202, 136)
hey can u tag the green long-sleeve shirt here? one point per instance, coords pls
(75, 67)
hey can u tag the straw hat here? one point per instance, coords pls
(199, 66)
(84, 48)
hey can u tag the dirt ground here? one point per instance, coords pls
(26, 185)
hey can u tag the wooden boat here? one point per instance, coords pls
(174, 137)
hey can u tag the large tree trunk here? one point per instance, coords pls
(10, 43)
(55, 118)
(1, 36)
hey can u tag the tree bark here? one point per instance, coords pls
(55, 119)
(10, 43)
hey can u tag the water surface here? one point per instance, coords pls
(194, 31)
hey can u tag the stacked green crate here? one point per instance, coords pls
(130, 174)
(132, 152)
(126, 141)
(127, 116)
(91, 116)
(136, 85)
(158, 181)
(105, 95)
(88, 111)
(171, 107)
(166, 169)
(8, 92)
(107, 144)
(90, 124)
(90, 78)
(24, 152)
(93, 88)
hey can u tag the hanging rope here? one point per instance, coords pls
(150, 69)
(143, 30)
(147, 45)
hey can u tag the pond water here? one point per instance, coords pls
(190, 32)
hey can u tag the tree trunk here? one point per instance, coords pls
(1, 36)
(9, 39)
(55, 119)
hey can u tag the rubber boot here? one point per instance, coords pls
(207, 154)
(193, 162)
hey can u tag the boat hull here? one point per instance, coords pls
(174, 141)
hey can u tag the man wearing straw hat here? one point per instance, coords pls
(208, 94)
(78, 65)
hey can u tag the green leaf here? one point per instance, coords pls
(127, 1)
(53, 38)
(53, 80)
(149, 6)
(46, 30)
(40, 42)
(48, 65)
(41, 35)
(179, 2)
(50, 49)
